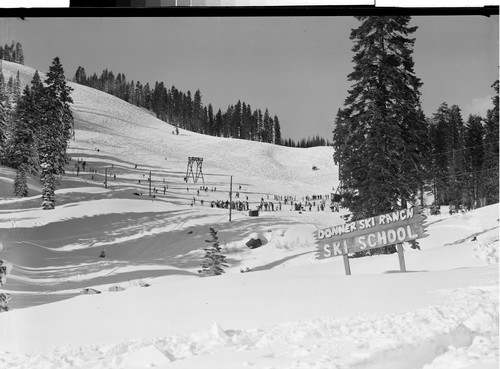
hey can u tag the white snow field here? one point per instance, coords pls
(289, 311)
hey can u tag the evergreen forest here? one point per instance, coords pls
(36, 126)
(187, 111)
(389, 153)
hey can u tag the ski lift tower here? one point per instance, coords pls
(336, 196)
(199, 164)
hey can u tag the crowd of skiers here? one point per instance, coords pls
(276, 203)
(236, 205)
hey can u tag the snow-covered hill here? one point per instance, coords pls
(289, 311)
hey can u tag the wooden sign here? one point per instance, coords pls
(382, 230)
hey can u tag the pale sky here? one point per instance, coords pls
(296, 67)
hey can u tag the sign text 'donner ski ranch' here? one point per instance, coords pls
(382, 230)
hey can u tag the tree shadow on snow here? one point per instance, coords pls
(281, 261)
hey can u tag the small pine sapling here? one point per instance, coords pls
(4, 297)
(214, 261)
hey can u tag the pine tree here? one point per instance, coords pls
(438, 130)
(55, 132)
(245, 118)
(254, 126)
(211, 121)
(59, 121)
(474, 133)
(3, 118)
(139, 94)
(218, 124)
(109, 83)
(197, 112)
(4, 297)
(227, 119)
(19, 53)
(260, 126)
(204, 122)
(187, 111)
(17, 88)
(456, 154)
(381, 137)
(491, 159)
(130, 95)
(10, 89)
(80, 76)
(236, 121)
(48, 179)
(266, 125)
(147, 96)
(214, 261)
(447, 138)
(22, 151)
(157, 100)
(20, 182)
(277, 131)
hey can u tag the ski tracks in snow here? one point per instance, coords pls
(457, 335)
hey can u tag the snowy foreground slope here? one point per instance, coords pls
(290, 311)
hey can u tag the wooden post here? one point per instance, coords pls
(230, 197)
(347, 266)
(105, 177)
(401, 256)
(149, 183)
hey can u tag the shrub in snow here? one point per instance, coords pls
(214, 260)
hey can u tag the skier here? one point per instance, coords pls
(102, 254)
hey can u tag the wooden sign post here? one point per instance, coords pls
(401, 257)
(394, 228)
(347, 266)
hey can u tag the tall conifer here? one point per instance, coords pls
(277, 131)
(491, 160)
(474, 133)
(56, 130)
(381, 135)
(22, 146)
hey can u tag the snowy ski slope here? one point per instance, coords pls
(289, 311)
